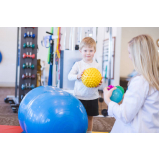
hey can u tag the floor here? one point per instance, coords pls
(7, 117)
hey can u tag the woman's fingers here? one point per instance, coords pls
(113, 89)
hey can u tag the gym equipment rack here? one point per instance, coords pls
(26, 43)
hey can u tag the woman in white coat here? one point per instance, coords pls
(139, 111)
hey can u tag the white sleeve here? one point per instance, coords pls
(73, 73)
(99, 68)
(132, 102)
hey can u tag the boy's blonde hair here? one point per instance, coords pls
(87, 41)
(145, 58)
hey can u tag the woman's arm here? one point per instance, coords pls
(133, 101)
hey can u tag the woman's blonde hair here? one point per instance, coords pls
(145, 58)
(87, 41)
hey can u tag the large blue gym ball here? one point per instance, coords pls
(52, 110)
(117, 95)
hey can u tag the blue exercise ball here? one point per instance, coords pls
(117, 95)
(52, 110)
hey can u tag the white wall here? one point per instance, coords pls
(126, 66)
(43, 52)
(102, 35)
(8, 48)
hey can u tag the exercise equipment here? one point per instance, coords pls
(117, 95)
(27, 45)
(28, 56)
(50, 45)
(25, 76)
(104, 112)
(26, 65)
(29, 35)
(91, 77)
(121, 88)
(52, 110)
(27, 87)
(0, 57)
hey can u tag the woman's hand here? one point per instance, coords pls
(80, 75)
(107, 94)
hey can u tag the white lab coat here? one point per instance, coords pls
(139, 112)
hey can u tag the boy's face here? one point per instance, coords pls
(87, 53)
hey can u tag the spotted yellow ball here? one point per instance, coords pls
(91, 77)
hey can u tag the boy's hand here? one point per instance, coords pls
(107, 94)
(99, 83)
(80, 75)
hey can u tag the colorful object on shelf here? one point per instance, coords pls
(49, 54)
(29, 35)
(25, 76)
(26, 65)
(0, 57)
(51, 60)
(91, 77)
(28, 56)
(52, 111)
(58, 42)
(23, 87)
(28, 45)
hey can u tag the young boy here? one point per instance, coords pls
(88, 96)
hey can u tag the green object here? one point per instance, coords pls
(121, 88)
(24, 45)
(24, 66)
(32, 66)
(105, 74)
(27, 66)
(33, 45)
(49, 54)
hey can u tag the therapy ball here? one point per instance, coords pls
(52, 110)
(117, 95)
(91, 77)
(121, 88)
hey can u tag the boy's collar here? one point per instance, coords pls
(86, 62)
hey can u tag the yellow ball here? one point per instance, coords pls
(91, 77)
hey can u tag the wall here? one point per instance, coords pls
(103, 34)
(8, 48)
(126, 66)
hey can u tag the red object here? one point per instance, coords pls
(10, 129)
(25, 77)
(28, 56)
(33, 76)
